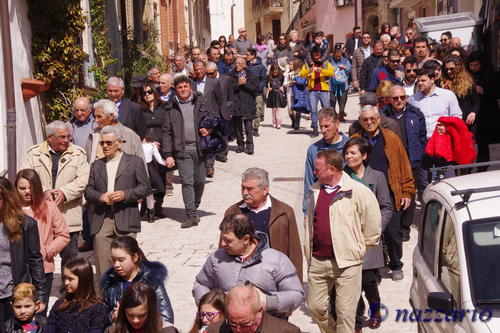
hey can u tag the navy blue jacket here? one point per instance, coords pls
(300, 95)
(260, 72)
(153, 274)
(416, 134)
(223, 68)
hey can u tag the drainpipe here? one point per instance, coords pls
(9, 90)
(232, 18)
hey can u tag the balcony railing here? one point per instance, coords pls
(265, 7)
(304, 7)
(368, 3)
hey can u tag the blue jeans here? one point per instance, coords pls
(314, 96)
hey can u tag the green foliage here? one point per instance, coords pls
(102, 47)
(141, 53)
(57, 53)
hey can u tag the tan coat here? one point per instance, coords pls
(283, 231)
(355, 222)
(72, 177)
(399, 174)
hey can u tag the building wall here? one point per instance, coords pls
(29, 128)
(254, 17)
(170, 27)
(220, 17)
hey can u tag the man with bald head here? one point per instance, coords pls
(414, 137)
(82, 123)
(242, 44)
(245, 313)
(455, 42)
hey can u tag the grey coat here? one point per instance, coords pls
(374, 258)
(213, 95)
(269, 270)
(131, 178)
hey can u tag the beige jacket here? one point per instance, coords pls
(72, 177)
(355, 222)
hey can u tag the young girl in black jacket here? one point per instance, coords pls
(276, 98)
(80, 310)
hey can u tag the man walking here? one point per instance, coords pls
(258, 70)
(181, 144)
(116, 183)
(342, 221)
(64, 173)
(369, 65)
(358, 57)
(242, 44)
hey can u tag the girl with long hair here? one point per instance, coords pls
(222, 44)
(19, 244)
(138, 312)
(276, 98)
(129, 266)
(457, 79)
(80, 310)
(210, 310)
(52, 228)
(154, 111)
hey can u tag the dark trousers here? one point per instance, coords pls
(393, 240)
(408, 216)
(192, 171)
(369, 284)
(70, 251)
(87, 237)
(5, 311)
(341, 100)
(238, 124)
(49, 277)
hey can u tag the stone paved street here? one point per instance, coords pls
(184, 251)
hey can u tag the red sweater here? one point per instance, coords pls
(322, 236)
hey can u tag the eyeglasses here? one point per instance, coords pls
(399, 98)
(211, 73)
(240, 326)
(395, 61)
(365, 120)
(148, 92)
(450, 69)
(209, 315)
(107, 143)
(63, 137)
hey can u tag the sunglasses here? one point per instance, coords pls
(107, 143)
(395, 61)
(444, 40)
(399, 98)
(148, 92)
(411, 70)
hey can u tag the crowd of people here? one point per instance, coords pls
(422, 104)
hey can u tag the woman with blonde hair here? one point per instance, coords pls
(383, 93)
(457, 79)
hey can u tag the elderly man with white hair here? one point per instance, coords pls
(106, 114)
(116, 183)
(82, 122)
(167, 92)
(389, 157)
(297, 46)
(64, 172)
(129, 113)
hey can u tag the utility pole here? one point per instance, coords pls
(232, 18)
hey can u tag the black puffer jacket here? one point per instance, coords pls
(26, 260)
(244, 95)
(152, 273)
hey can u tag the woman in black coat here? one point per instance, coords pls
(20, 258)
(282, 50)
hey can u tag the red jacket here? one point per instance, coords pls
(456, 145)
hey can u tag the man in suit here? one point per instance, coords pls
(116, 183)
(246, 313)
(129, 113)
(353, 42)
(210, 89)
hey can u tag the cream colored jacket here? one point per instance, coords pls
(355, 222)
(72, 177)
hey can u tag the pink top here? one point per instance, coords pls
(54, 235)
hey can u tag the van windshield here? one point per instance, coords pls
(482, 250)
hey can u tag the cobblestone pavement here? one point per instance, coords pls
(184, 251)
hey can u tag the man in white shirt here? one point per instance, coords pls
(410, 66)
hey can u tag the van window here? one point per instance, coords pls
(449, 269)
(431, 222)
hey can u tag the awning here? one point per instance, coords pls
(401, 3)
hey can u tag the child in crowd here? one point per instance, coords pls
(24, 305)
(151, 154)
(130, 266)
(299, 95)
(138, 312)
(276, 98)
(52, 228)
(80, 310)
(210, 310)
